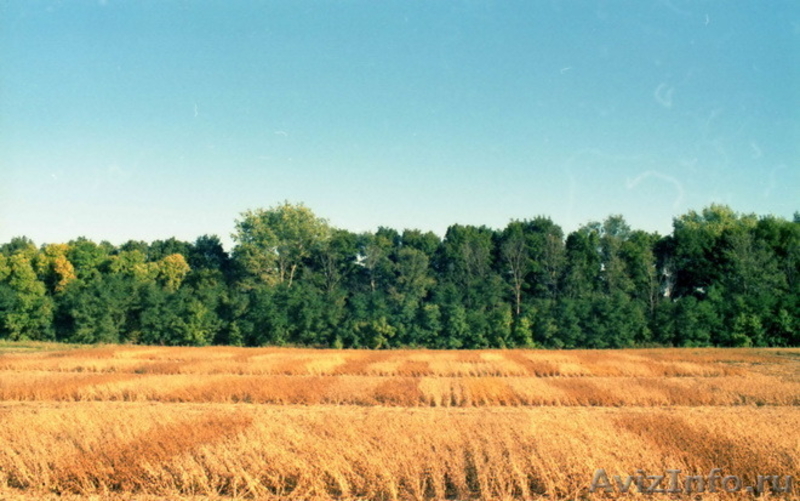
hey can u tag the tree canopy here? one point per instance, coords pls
(719, 279)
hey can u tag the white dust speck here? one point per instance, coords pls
(757, 152)
(633, 183)
(663, 95)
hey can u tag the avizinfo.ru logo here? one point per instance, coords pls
(672, 482)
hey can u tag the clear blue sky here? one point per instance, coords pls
(150, 119)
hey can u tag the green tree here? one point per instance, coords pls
(695, 322)
(641, 263)
(87, 257)
(272, 244)
(410, 286)
(54, 268)
(613, 236)
(430, 324)
(133, 264)
(207, 253)
(751, 267)
(334, 261)
(176, 319)
(98, 310)
(454, 320)
(171, 271)
(465, 259)
(210, 288)
(160, 249)
(548, 255)
(698, 259)
(515, 260)
(426, 242)
(27, 310)
(583, 263)
(375, 253)
(19, 245)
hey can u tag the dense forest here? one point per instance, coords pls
(720, 279)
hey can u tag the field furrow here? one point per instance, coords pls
(311, 424)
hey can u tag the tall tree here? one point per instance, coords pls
(87, 257)
(545, 242)
(375, 257)
(171, 271)
(160, 249)
(55, 268)
(26, 311)
(515, 259)
(272, 244)
(334, 261)
(583, 262)
(17, 245)
(411, 284)
(465, 259)
(698, 261)
(614, 234)
(207, 253)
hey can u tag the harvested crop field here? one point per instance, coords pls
(222, 422)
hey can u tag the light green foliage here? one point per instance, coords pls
(501, 321)
(26, 312)
(374, 256)
(456, 327)
(19, 245)
(713, 220)
(522, 335)
(272, 243)
(376, 333)
(133, 264)
(172, 270)
(55, 268)
(5, 268)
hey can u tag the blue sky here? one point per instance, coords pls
(150, 119)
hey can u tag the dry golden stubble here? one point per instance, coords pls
(335, 452)
(341, 451)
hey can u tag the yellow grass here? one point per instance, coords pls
(218, 423)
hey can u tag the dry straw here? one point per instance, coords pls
(270, 423)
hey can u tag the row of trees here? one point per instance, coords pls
(720, 278)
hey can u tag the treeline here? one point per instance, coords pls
(720, 278)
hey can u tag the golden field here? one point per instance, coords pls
(138, 422)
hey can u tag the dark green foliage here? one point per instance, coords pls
(176, 318)
(97, 310)
(720, 279)
(163, 248)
